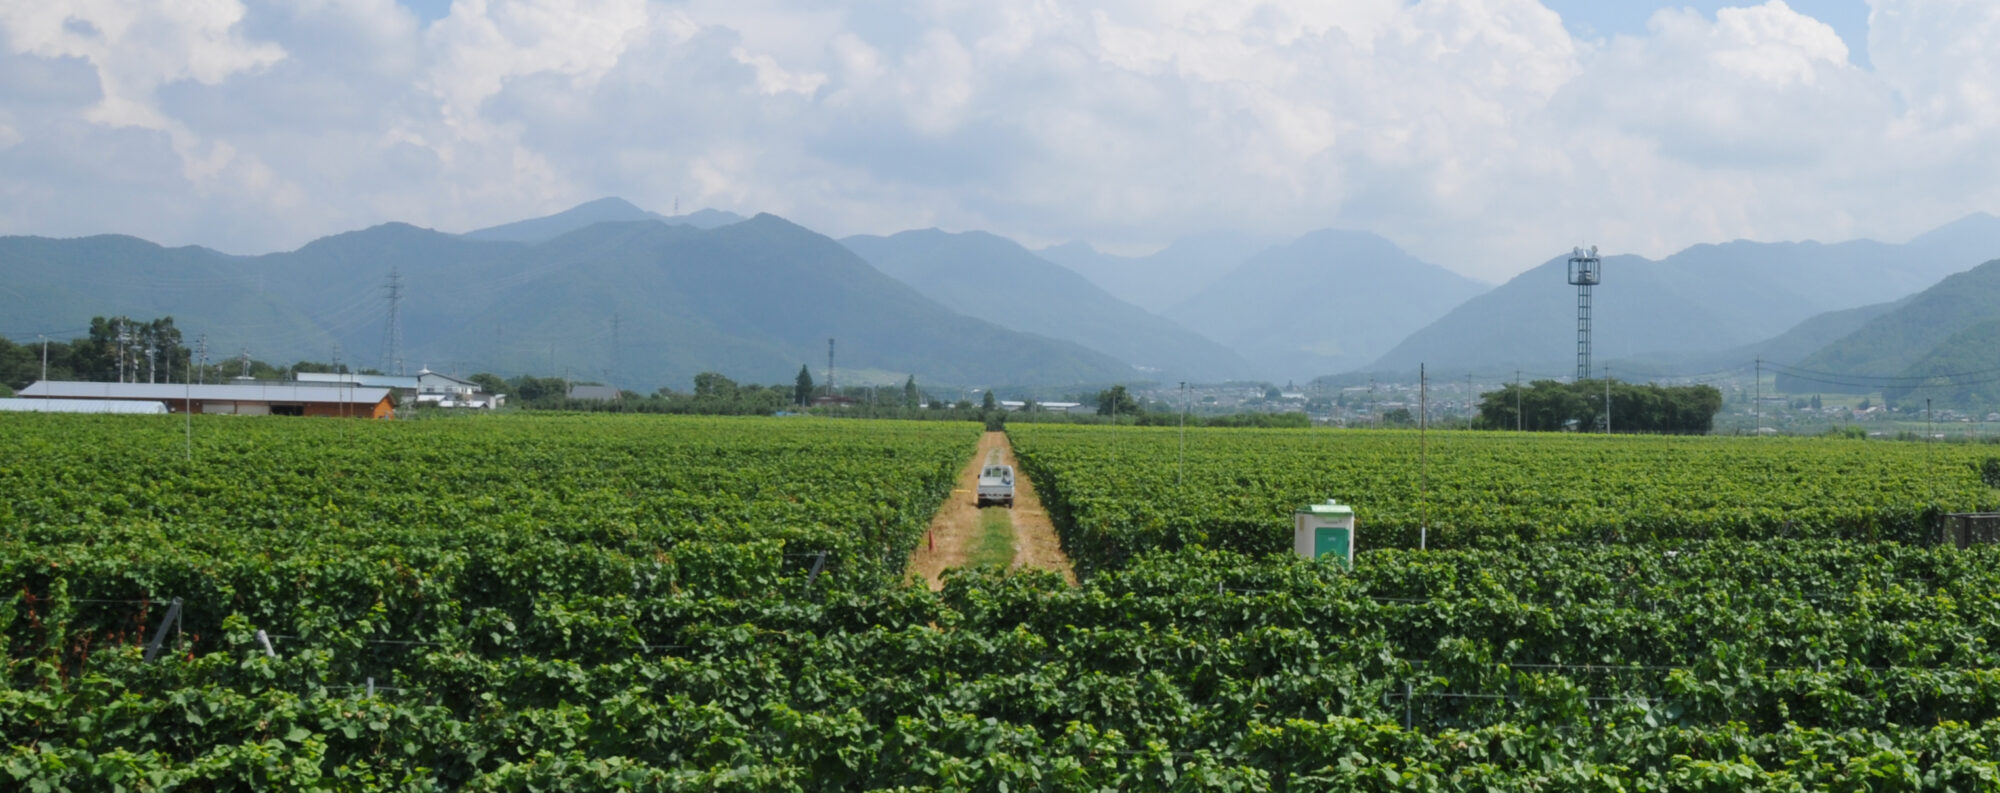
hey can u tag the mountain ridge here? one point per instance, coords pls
(1705, 299)
(996, 279)
(1328, 300)
(609, 209)
(647, 303)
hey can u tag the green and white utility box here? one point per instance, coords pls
(1322, 530)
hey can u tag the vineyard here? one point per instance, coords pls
(536, 603)
(1123, 492)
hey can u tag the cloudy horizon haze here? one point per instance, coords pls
(1483, 135)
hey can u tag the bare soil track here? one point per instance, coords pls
(956, 525)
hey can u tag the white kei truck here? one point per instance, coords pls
(996, 485)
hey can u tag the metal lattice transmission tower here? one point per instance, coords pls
(392, 335)
(1585, 271)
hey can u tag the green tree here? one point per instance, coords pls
(712, 385)
(119, 344)
(318, 367)
(491, 383)
(911, 399)
(1547, 405)
(987, 402)
(802, 388)
(532, 389)
(1116, 401)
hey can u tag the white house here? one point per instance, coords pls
(437, 385)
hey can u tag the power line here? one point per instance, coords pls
(1936, 380)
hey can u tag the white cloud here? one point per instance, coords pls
(773, 79)
(1478, 133)
(136, 49)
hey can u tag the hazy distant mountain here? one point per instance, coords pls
(752, 300)
(1706, 299)
(603, 210)
(1785, 348)
(1815, 332)
(57, 285)
(1328, 301)
(995, 279)
(1925, 329)
(1957, 373)
(1161, 280)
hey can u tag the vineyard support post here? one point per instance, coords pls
(1423, 460)
(167, 623)
(265, 639)
(819, 563)
(1180, 467)
(1409, 693)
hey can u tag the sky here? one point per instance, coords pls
(1483, 135)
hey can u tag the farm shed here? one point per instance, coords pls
(244, 399)
(18, 405)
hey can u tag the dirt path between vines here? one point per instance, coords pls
(956, 526)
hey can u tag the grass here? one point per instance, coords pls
(995, 543)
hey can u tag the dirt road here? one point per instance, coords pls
(956, 524)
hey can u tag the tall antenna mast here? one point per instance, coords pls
(1585, 271)
(829, 369)
(392, 336)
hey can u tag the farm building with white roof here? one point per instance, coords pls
(46, 405)
(242, 399)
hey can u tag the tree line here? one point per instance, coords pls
(122, 349)
(1551, 406)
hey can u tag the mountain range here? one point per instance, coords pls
(1165, 278)
(1939, 331)
(1328, 301)
(1737, 296)
(997, 280)
(609, 291)
(640, 303)
(590, 213)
